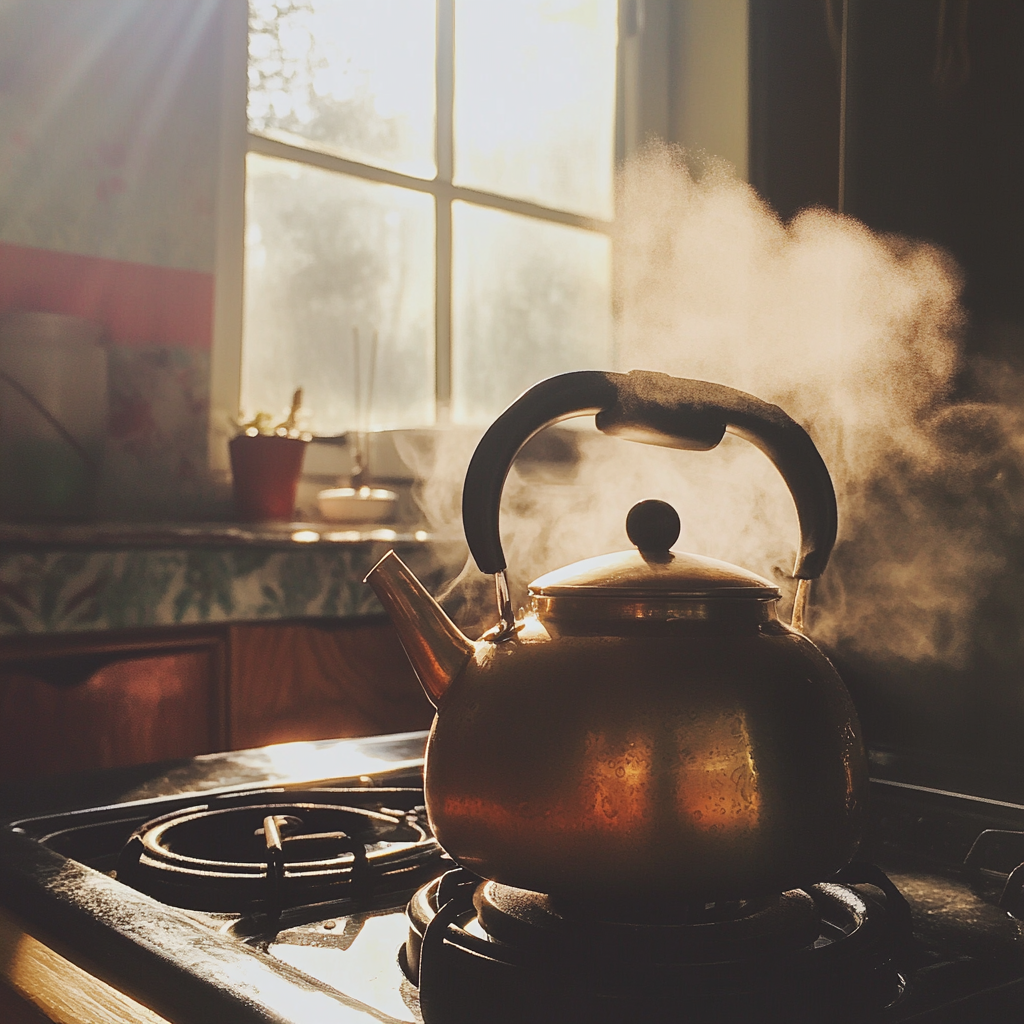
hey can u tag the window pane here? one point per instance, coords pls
(325, 253)
(535, 100)
(531, 299)
(349, 77)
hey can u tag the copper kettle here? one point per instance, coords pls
(650, 727)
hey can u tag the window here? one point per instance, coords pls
(435, 176)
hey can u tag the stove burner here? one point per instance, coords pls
(274, 850)
(827, 949)
(743, 928)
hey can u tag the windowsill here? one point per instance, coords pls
(211, 535)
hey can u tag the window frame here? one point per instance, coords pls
(654, 37)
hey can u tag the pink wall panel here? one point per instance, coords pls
(109, 148)
(138, 304)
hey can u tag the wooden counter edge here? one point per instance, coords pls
(65, 992)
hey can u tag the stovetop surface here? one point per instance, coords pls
(337, 960)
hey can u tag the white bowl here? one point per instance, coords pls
(357, 505)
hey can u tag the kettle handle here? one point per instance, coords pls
(654, 408)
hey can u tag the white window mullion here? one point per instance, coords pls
(443, 205)
(437, 186)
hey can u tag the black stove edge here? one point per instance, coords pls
(996, 780)
(986, 803)
(158, 955)
(1001, 1005)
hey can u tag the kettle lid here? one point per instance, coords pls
(652, 572)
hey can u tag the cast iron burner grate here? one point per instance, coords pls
(273, 850)
(827, 952)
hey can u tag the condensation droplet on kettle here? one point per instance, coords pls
(620, 772)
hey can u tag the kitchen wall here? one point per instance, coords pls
(109, 150)
(933, 149)
(932, 135)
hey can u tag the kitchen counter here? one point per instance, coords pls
(87, 578)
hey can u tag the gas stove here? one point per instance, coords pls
(301, 883)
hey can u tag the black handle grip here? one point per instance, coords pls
(656, 409)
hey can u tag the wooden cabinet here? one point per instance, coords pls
(70, 703)
(73, 703)
(310, 682)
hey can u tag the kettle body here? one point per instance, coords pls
(649, 730)
(709, 765)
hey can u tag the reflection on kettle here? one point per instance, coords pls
(650, 726)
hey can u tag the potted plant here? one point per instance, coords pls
(266, 463)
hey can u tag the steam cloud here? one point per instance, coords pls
(857, 336)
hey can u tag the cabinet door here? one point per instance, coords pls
(317, 681)
(101, 704)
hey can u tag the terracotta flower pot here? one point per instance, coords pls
(265, 471)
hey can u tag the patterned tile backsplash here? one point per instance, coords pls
(58, 591)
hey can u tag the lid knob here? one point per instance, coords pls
(653, 525)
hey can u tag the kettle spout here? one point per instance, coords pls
(437, 648)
